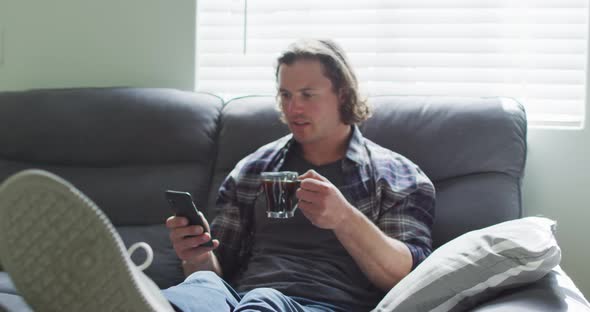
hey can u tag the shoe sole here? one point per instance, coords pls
(61, 251)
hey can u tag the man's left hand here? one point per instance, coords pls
(321, 202)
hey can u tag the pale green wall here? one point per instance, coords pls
(151, 43)
(557, 185)
(71, 43)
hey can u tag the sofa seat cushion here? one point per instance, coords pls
(477, 266)
(555, 292)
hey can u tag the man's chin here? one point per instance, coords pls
(300, 138)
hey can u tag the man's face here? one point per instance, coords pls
(310, 105)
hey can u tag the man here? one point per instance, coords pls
(363, 223)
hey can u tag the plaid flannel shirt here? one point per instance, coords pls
(388, 188)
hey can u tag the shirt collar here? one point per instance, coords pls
(356, 151)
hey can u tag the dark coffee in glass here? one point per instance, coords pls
(279, 189)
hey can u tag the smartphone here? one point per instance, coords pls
(182, 205)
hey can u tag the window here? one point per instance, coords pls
(531, 50)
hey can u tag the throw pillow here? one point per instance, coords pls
(476, 266)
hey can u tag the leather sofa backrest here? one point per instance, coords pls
(121, 146)
(473, 149)
(124, 146)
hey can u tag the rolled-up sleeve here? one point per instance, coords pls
(409, 217)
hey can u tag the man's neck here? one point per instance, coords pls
(321, 153)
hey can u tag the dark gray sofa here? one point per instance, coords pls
(124, 146)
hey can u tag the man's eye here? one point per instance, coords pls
(307, 95)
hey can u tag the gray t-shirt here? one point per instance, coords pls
(301, 260)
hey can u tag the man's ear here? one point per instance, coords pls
(342, 94)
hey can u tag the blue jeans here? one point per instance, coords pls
(205, 291)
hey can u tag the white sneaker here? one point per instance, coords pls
(62, 252)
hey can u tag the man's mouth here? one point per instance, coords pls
(300, 125)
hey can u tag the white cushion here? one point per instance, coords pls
(476, 266)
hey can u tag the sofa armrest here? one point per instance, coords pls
(555, 292)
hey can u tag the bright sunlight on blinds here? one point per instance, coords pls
(531, 50)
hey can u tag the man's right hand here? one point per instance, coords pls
(187, 240)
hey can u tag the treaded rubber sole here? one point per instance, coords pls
(61, 251)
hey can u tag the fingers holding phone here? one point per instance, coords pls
(189, 240)
(189, 230)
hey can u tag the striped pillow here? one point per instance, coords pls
(476, 266)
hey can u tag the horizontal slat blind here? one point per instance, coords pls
(531, 50)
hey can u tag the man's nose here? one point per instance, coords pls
(294, 105)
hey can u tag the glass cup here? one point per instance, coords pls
(279, 188)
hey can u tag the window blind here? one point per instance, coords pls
(532, 50)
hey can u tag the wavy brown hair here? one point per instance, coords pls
(354, 109)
